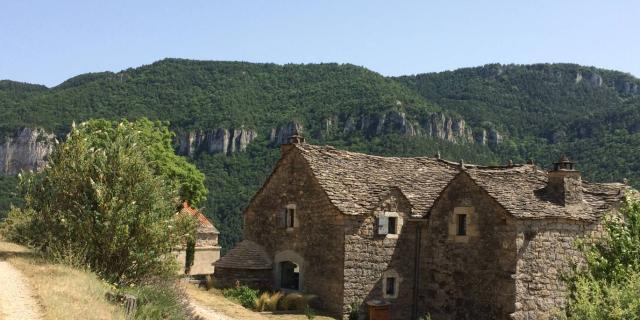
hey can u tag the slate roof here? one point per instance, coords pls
(356, 182)
(245, 255)
(521, 191)
(204, 225)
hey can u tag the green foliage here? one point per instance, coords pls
(159, 300)
(8, 194)
(156, 139)
(540, 110)
(545, 111)
(100, 193)
(608, 287)
(244, 295)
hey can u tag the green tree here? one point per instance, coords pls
(155, 139)
(608, 286)
(102, 196)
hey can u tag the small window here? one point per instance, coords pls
(391, 286)
(291, 216)
(393, 223)
(462, 225)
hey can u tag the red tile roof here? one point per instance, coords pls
(203, 222)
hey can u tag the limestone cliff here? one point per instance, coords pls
(212, 141)
(435, 125)
(26, 150)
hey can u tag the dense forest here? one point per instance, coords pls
(541, 111)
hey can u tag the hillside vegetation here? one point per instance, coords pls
(541, 112)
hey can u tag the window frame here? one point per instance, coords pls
(461, 224)
(387, 219)
(386, 276)
(291, 219)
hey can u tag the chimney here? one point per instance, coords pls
(565, 183)
(294, 139)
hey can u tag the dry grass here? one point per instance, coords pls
(214, 300)
(63, 292)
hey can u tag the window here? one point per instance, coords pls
(288, 218)
(389, 223)
(462, 225)
(392, 225)
(391, 286)
(291, 216)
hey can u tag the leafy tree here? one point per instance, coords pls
(156, 140)
(101, 195)
(608, 286)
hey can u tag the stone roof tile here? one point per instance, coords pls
(355, 183)
(245, 255)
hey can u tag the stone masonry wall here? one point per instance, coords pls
(318, 237)
(546, 251)
(468, 277)
(368, 255)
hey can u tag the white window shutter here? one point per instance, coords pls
(383, 225)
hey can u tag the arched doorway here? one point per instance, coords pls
(289, 275)
(289, 270)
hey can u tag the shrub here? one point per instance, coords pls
(294, 301)
(268, 301)
(159, 299)
(309, 313)
(100, 193)
(244, 295)
(353, 311)
(608, 286)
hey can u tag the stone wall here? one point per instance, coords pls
(468, 277)
(318, 238)
(368, 255)
(227, 278)
(546, 251)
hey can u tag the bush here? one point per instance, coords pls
(268, 301)
(608, 286)
(100, 194)
(159, 299)
(244, 295)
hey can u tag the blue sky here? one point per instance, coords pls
(47, 42)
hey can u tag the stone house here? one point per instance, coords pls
(205, 249)
(425, 235)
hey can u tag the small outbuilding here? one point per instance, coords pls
(204, 251)
(247, 263)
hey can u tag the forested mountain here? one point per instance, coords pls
(229, 117)
(593, 115)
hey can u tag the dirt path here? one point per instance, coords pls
(16, 300)
(206, 313)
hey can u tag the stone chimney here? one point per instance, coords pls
(565, 183)
(294, 139)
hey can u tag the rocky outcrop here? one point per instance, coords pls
(281, 135)
(593, 79)
(27, 150)
(628, 87)
(436, 125)
(487, 137)
(222, 140)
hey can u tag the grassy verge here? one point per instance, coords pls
(214, 300)
(62, 291)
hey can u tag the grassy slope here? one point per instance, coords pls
(63, 292)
